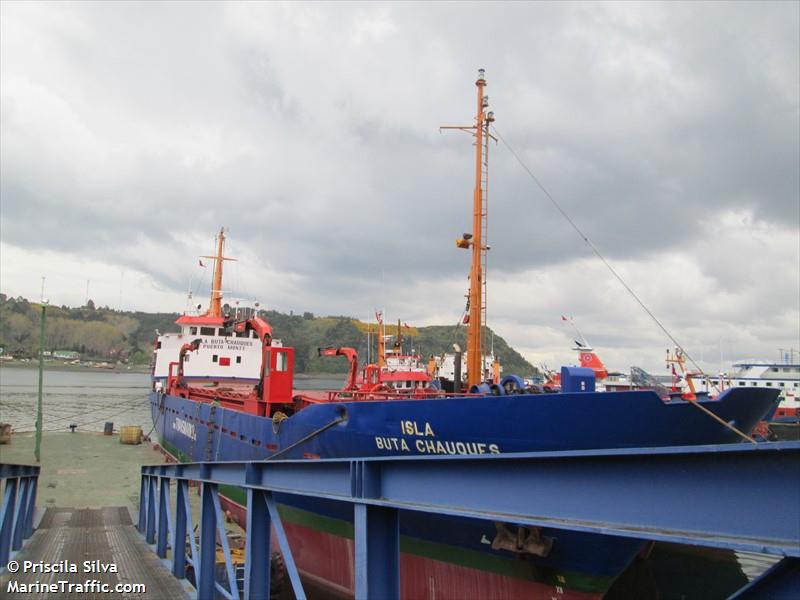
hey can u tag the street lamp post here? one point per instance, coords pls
(37, 450)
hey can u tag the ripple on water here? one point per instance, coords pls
(88, 398)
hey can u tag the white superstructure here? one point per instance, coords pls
(221, 354)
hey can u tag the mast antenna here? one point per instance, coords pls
(215, 304)
(477, 240)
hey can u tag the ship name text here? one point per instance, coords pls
(422, 444)
(185, 428)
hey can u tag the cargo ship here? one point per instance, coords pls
(223, 389)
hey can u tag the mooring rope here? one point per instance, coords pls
(308, 437)
(619, 278)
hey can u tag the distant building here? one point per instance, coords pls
(66, 354)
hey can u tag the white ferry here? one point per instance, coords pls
(783, 376)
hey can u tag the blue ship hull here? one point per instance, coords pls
(580, 565)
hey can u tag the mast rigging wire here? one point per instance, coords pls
(617, 276)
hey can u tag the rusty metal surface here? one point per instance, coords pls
(95, 534)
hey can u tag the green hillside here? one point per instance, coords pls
(106, 334)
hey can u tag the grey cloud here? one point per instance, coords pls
(312, 132)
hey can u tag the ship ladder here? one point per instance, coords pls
(210, 427)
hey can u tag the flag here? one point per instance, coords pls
(201, 263)
(563, 318)
(406, 325)
(466, 319)
(378, 315)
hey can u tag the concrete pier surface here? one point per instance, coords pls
(93, 547)
(83, 470)
(88, 495)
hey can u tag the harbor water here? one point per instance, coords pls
(86, 397)
(90, 398)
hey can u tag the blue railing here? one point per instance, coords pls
(16, 514)
(741, 497)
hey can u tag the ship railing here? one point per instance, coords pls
(734, 496)
(17, 512)
(400, 394)
(333, 396)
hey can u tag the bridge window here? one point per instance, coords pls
(782, 384)
(242, 334)
(207, 331)
(192, 330)
(216, 357)
(238, 360)
(769, 384)
(281, 361)
(742, 383)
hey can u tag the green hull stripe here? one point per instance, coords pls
(471, 559)
(464, 557)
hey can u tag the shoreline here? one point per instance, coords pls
(140, 369)
(52, 366)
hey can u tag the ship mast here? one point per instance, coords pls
(215, 305)
(477, 239)
(381, 341)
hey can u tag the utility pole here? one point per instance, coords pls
(37, 450)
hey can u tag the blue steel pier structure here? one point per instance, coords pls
(737, 496)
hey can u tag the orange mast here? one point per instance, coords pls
(678, 359)
(215, 305)
(398, 342)
(381, 342)
(477, 239)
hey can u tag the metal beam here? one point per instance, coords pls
(163, 518)
(7, 518)
(257, 552)
(204, 577)
(8, 470)
(19, 513)
(150, 530)
(779, 582)
(18, 506)
(377, 538)
(283, 543)
(691, 495)
(179, 537)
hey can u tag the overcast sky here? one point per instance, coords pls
(131, 132)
